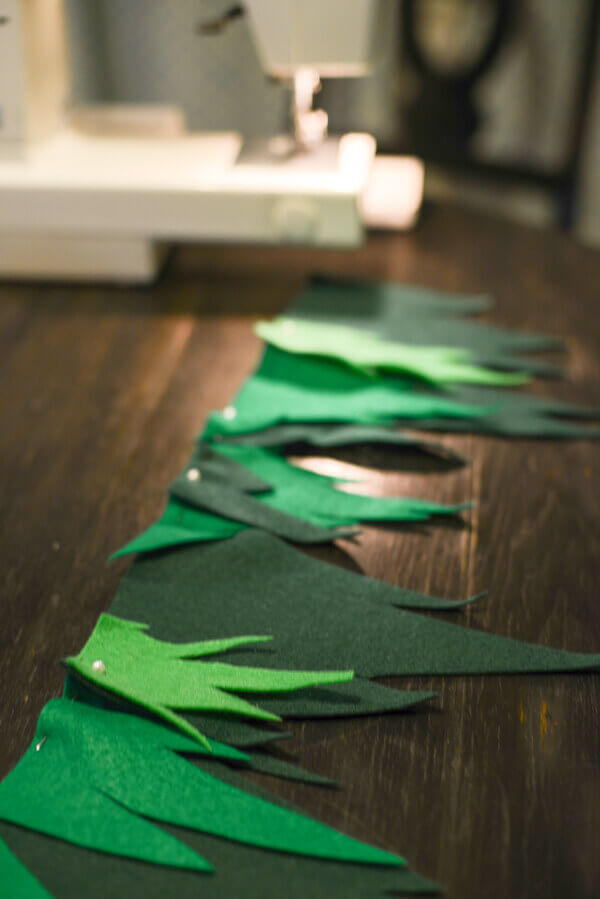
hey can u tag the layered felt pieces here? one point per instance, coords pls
(17, 881)
(420, 317)
(371, 353)
(290, 389)
(161, 676)
(255, 487)
(315, 611)
(110, 796)
(94, 778)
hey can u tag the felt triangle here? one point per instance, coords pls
(85, 763)
(312, 618)
(519, 415)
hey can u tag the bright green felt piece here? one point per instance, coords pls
(370, 352)
(363, 698)
(183, 523)
(292, 389)
(156, 676)
(288, 388)
(315, 612)
(421, 317)
(274, 512)
(17, 882)
(97, 777)
(311, 497)
(178, 525)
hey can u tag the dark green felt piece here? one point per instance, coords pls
(275, 766)
(315, 436)
(421, 317)
(163, 677)
(70, 872)
(312, 619)
(518, 415)
(258, 512)
(85, 762)
(360, 697)
(16, 881)
(254, 562)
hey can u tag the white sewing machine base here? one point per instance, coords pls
(79, 206)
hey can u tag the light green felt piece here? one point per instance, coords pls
(422, 317)
(120, 658)
(288, 389)
(94, 778)
(316, 499)
(368, 351)
(16, 881)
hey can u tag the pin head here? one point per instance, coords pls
(98, 666)
(229, 412)
(193, 474)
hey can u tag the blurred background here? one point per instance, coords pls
(500, 97)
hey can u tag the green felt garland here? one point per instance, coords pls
(105, 791)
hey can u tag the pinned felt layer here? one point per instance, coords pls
(290, 389)
(371, 352)
(161, 677)
(302, 495)
(93, 778)
(316, 612)
(422, 317)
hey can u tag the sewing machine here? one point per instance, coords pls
(98, 194)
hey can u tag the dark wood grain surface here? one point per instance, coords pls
(495, 791)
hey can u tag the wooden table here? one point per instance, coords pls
(495, 791)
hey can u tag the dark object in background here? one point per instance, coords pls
(443, 118)
(443, 114)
